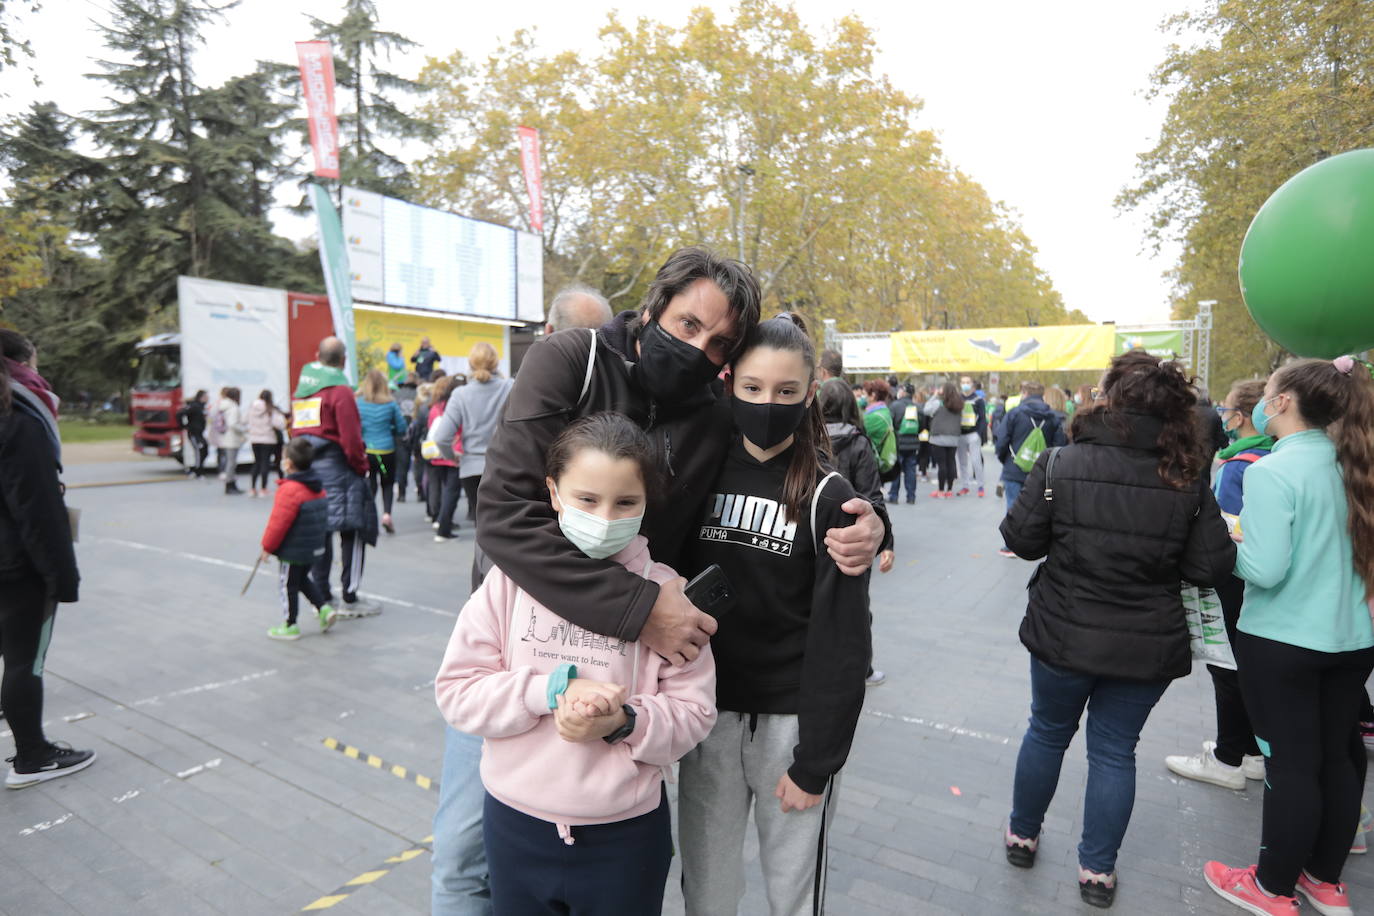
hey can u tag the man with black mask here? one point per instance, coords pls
(658, 366)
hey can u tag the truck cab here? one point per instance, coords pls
(156, 397)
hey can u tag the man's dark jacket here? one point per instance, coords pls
(517, 527)
(1017, 426)
(1117, 541)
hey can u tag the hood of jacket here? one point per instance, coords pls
(1122, 429)
(317, 376)
(309, 479)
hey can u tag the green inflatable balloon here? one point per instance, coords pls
(1307, 263)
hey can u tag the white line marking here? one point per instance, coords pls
(45, 825)
(940, 726)
(201, 688)
(200, 768)
(242, 567)
(74, 717)
(346, 713)
(132, 793)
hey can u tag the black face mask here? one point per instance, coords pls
(766, 425)
(670, 369)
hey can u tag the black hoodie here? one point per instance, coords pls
(518, 529)
(797, 641)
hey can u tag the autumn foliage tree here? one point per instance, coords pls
(1265, 89)
(756, 136)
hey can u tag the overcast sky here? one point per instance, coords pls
(1041, 102)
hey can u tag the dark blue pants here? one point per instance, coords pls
(907, 462)
(1117, 710)
(610, 870)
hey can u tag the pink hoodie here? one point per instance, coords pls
(494, 682)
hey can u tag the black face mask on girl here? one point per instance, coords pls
(670, 369)
(766, 425)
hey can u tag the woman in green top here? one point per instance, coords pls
(1305, 644)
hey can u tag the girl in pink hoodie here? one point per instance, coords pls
(580, 728)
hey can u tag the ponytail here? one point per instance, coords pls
(1338, 396)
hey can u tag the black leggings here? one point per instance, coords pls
(382, 469)
(1305, 706)
(944, 465)
(202, 452)
(470, 493)
(26, 619)
(1235, 735)
(262, 464)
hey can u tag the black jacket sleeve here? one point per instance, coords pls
(863, 476)
(980, 413)
(1209, 555)
(1026, 530)
(519, 530)
(32, 495)
(837, 655)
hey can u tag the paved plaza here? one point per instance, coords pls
(241, 775)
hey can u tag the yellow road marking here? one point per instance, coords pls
(368, 877)
(378, 763)
(325, 903)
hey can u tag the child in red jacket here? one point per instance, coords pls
(296, 533)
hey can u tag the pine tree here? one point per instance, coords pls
(360, 52)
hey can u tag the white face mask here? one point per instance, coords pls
(595, 536)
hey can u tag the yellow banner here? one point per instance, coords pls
(1057, 348)
(450, 336)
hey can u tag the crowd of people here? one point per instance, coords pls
(693, 438)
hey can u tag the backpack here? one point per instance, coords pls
(911, 421)
(1031, 447)
(888, 468)
(218, 423)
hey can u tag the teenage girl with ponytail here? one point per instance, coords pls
(792, 654)
(1305, 644)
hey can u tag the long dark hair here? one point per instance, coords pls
(1137, 382)
(787, 332)
(952, 398)
(265, 395)
(1338, 396)
(5, 396)
(838, 404)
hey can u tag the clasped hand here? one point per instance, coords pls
(589, 710)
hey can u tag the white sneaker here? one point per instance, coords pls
(1205, 767)
(1252, 765)
(876, 679)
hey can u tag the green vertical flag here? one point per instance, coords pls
(337, 280)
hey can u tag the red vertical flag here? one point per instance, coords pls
(317, 79)
(529, 160)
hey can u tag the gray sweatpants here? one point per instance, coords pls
(717, 781)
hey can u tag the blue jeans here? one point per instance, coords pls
(1117, 710)
(907, 462)
(1012, 488)
(459, 885)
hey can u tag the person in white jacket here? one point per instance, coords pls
(264, 422)
(231, 438)
(579, 727)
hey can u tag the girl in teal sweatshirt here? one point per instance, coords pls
(1305, 644)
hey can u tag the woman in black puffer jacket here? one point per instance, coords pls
(37, 562)
(1124, 518)
(856, 463)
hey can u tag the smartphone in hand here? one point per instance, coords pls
(710, 591)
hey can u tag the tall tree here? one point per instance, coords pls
(777, 145)
(12, 46)
(1269, 88)
(362, 52)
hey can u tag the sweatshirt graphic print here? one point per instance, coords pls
(797, 640)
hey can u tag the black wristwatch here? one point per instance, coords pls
(624, 731)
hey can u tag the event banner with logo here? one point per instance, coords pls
(232, 335)
(1055, 348)
(452, 337)
(1164, 344)
(529, 161)
(317, 80)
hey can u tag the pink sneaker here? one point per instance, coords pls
(1327, 899)
(1239, 886)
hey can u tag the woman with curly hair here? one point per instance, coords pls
(1305, 645)
(1121, 518)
